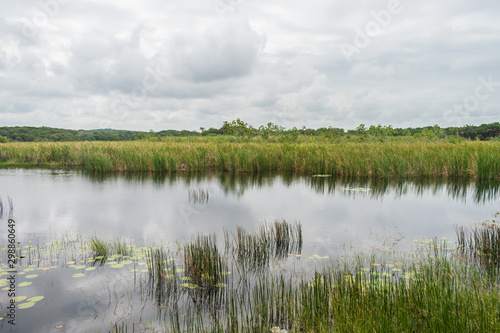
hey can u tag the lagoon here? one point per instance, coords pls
(337, 216)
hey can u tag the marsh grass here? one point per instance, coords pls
(103, 249)
(433, 290)
(436, 287)
(465, 160)
(163, 281)
(204, 265)
(271, 241)
(481, 243)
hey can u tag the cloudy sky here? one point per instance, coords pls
(173, 64)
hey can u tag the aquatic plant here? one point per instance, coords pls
(481, 243)
(271, 241)
(102, 249)
(415, 159)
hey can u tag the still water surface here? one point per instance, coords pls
(336, 215)
(154, 208)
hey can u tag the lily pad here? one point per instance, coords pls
(26, 305)
(35, 299)
(24, 284)
(80, 267)
(117, 266)
(3, 282)
(90, 268)
(78, 275)
(19, 298)
(32, 276)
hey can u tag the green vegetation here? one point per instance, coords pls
(271, 242)
(464, 160)
(239, 130)
(440, 287)
(435, 290)
(103, 249)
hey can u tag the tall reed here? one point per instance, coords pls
(465, 160)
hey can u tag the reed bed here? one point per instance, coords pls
(272, 241)
(464, 160)
(481, 243)
(433, 290)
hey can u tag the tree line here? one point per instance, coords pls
(239, 128)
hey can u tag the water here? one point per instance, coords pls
(148, 209)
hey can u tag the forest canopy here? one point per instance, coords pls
(238, 128)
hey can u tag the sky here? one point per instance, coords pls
(170, 64)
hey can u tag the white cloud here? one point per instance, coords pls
(198, 63)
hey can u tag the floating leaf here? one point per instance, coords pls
(19, 298)
(186, 278)
(220, 285)
(3, 282)
(32, 276)
(80, 267)
(35, 299)
(117, 266)
(70, 263)
(126, 262)
(90, 268)
(24, 284)
(112, 262)
(78, 275)
(26, 305)
(99, 257)
(133, 270)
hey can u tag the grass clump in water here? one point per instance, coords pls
(204, 265)
(102, 249)
(272, 241)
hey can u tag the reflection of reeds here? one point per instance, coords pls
(200, 196)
